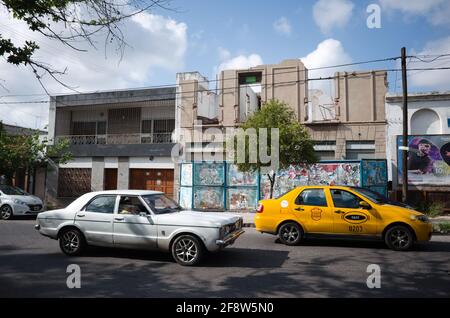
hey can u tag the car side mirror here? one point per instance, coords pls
(364, 205)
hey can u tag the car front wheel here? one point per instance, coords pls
(6, 212)
(399, 238)
(71, 242)
(187, 250)
(290, 233)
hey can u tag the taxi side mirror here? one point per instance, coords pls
(364, 205)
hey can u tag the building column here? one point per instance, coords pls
(123, 173)
(98, 174)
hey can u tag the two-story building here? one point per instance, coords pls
(119, 139)
(347, 123)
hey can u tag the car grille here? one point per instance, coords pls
(236, 226)
(35, 207)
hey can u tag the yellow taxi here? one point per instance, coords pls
(343, 211)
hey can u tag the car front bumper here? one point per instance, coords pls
(21, 209)
(230, 238)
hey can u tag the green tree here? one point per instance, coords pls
(295, 144)
(70, 22)
(29, 152)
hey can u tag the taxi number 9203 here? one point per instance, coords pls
(355, 228)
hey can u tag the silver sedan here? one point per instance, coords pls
(139, 220)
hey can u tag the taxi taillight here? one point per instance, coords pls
(260, 208)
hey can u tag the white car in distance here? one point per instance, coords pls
(138, 219)
(16, 202)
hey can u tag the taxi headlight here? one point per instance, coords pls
(421, 218)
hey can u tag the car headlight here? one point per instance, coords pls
(17, 201)
(421, 218)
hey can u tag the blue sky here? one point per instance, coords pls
(207, 36)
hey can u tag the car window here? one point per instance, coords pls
(345, 199)
(312, 197)
(9, 190)
(102, 204)
(159, 203)
(131, 205)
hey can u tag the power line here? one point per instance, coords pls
(230, 88)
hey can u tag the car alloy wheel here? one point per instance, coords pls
(71, 242)
(290, 233)
(187, 250)
(399, 238)
(6, 212)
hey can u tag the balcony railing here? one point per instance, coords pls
(118, 139)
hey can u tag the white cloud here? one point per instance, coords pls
(240, 62)
(156, 42)
(224, 54)
(329, 52)
(329, 14)
(439, 79)
(283, 26)
(435, 11)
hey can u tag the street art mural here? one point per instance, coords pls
(186, 197)
(209, 198)
(343, 173)
(374, 175)
(209, 174)
(428, 160)
(186, 174)
(238, 178)
(242, 198)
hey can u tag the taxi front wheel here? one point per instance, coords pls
(290, 233)
(399, 238)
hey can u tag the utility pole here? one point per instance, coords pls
(405, 130)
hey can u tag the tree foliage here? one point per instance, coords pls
(295, 144)
(81, 20)
(29, 152)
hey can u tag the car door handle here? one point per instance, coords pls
(81, 215)
(299, 209)
(339, 212)
(119, 218)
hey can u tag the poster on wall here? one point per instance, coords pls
(209, 198)
(209, 174)
(186, 174)
(242, 199)
(238, 178)
(186, 197)
(374, 175)
(428, 160)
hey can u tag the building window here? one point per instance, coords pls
(249, 94)
(325, 150)
(357, 150)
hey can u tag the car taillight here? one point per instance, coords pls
(260, 208)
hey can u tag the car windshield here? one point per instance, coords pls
(160, 203)
(377, 198)
(9, 190)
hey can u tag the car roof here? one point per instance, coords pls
(327, 186)
(127, 192)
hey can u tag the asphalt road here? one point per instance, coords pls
(256, 266)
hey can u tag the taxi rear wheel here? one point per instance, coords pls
(399, 238)
(290, 233)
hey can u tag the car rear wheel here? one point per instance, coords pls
(290, 233)
(399, 238)
(6, 212)
(187, 250)
(72, 242)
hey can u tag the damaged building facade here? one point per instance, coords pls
(346, 123)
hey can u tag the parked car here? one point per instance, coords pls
(344, 212)
(139, 220)
(15, 202)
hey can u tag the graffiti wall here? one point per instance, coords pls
(343, 173)
(428, 160)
